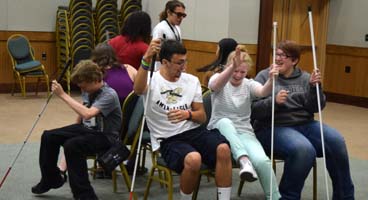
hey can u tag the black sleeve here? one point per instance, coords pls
(311, 102)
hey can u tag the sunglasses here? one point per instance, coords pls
(179, 14)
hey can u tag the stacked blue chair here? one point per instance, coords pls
(62, 42)
(127, 8)
(106, 20)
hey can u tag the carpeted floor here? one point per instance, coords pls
(18, 114)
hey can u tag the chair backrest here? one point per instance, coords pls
(207, 106)
(19, 49)
(132, 110)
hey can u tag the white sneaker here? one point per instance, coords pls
(247, 172)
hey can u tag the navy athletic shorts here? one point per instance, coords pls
(174, 149)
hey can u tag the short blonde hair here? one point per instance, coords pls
(245, 58)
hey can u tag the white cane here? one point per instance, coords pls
(318, 98)
(142, 127)
(66, 67)
(273, 103)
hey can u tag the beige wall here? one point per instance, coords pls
(348, 23)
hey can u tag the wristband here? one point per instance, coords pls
(190, 115)
(145, 65)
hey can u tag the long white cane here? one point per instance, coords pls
(318, 98)
(142, 124)
(66, 67)
(273, 103)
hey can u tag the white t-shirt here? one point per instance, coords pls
(166, 95)
(233, 103)
(173, 33)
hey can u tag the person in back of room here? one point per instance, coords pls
(170, 20)
(119, 77)
(224, 48)
(100, 121)
(133, 40)
(169, 27)
(231, 99)
(174, 114)
(297, 136)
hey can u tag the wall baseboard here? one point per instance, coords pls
(347, 99)
(30, 87)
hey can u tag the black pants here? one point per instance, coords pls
(78, 143)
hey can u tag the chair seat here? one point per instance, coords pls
(33, 73)
(28, 66)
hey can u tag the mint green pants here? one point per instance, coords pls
(246, 144)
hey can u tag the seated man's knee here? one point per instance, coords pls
(193, 161)
(223, 152)
(47, 136)
(305, 153)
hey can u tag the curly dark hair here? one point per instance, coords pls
(137, 27)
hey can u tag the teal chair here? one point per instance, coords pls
(24, 63)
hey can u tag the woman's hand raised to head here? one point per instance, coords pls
(236, 60)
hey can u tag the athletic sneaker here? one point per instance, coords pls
(43, 187)
(247, 171)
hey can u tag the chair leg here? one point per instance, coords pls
(149, 182)
(37, 85)
(195, 192)
(126, 178)
(144, 152)
(47, 85)
(170, 188)
(14, 83)
(114, 182)
(240, 187)
(315, 180)
(23, 87)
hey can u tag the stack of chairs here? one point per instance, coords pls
(62, 41)
(127, 8)
(82, 31)
(75, 35)
(106, 20)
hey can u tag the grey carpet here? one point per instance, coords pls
(25, 174)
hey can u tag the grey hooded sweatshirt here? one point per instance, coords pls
(300, 106)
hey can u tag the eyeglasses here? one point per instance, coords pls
(180, 63)
(282, 55)
(179, 14)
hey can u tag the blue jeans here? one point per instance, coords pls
(299, 146)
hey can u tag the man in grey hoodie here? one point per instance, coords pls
(297, 138)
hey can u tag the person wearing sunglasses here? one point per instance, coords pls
(169, 26)
(170, 20)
